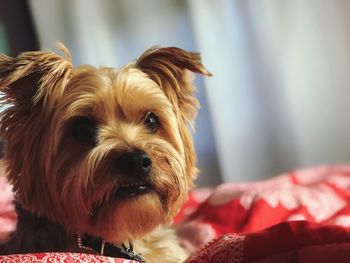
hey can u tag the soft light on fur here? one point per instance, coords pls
(74, 183)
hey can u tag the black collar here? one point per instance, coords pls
(107, 249)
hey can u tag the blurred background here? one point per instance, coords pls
(279, 97)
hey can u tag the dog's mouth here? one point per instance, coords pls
(133, 189)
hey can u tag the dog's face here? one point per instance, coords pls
(102, 151)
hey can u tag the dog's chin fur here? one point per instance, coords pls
(65, 128)
(131, 219)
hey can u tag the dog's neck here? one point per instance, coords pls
(37, 234)
(34, 234)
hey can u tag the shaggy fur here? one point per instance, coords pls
(65, 128)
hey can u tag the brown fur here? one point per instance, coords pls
(73, 184)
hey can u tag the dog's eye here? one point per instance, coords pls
(84, 129)
(151, 122)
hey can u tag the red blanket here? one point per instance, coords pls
(302, 216)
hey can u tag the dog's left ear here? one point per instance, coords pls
(171, 69)
(32, 76)
(27, 82)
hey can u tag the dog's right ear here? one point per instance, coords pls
(34, 76)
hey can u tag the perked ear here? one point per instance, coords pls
(34, 76)
(169, 68)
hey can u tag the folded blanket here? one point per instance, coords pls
(245, 218)
(287, 242)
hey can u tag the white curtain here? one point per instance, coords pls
(279, 96)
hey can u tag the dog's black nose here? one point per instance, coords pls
(135, 164)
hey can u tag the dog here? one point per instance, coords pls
(100, 159)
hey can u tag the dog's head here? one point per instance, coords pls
(102, 151)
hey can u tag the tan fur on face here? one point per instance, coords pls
(75, 184)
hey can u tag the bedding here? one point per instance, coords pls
(301, 216)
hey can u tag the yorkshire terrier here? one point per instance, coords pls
(100, 159)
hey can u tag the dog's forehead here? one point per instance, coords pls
(107, 91)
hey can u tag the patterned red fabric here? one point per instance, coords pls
(62, 258)
(290, 242)
(302, 216)
(227, 248)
